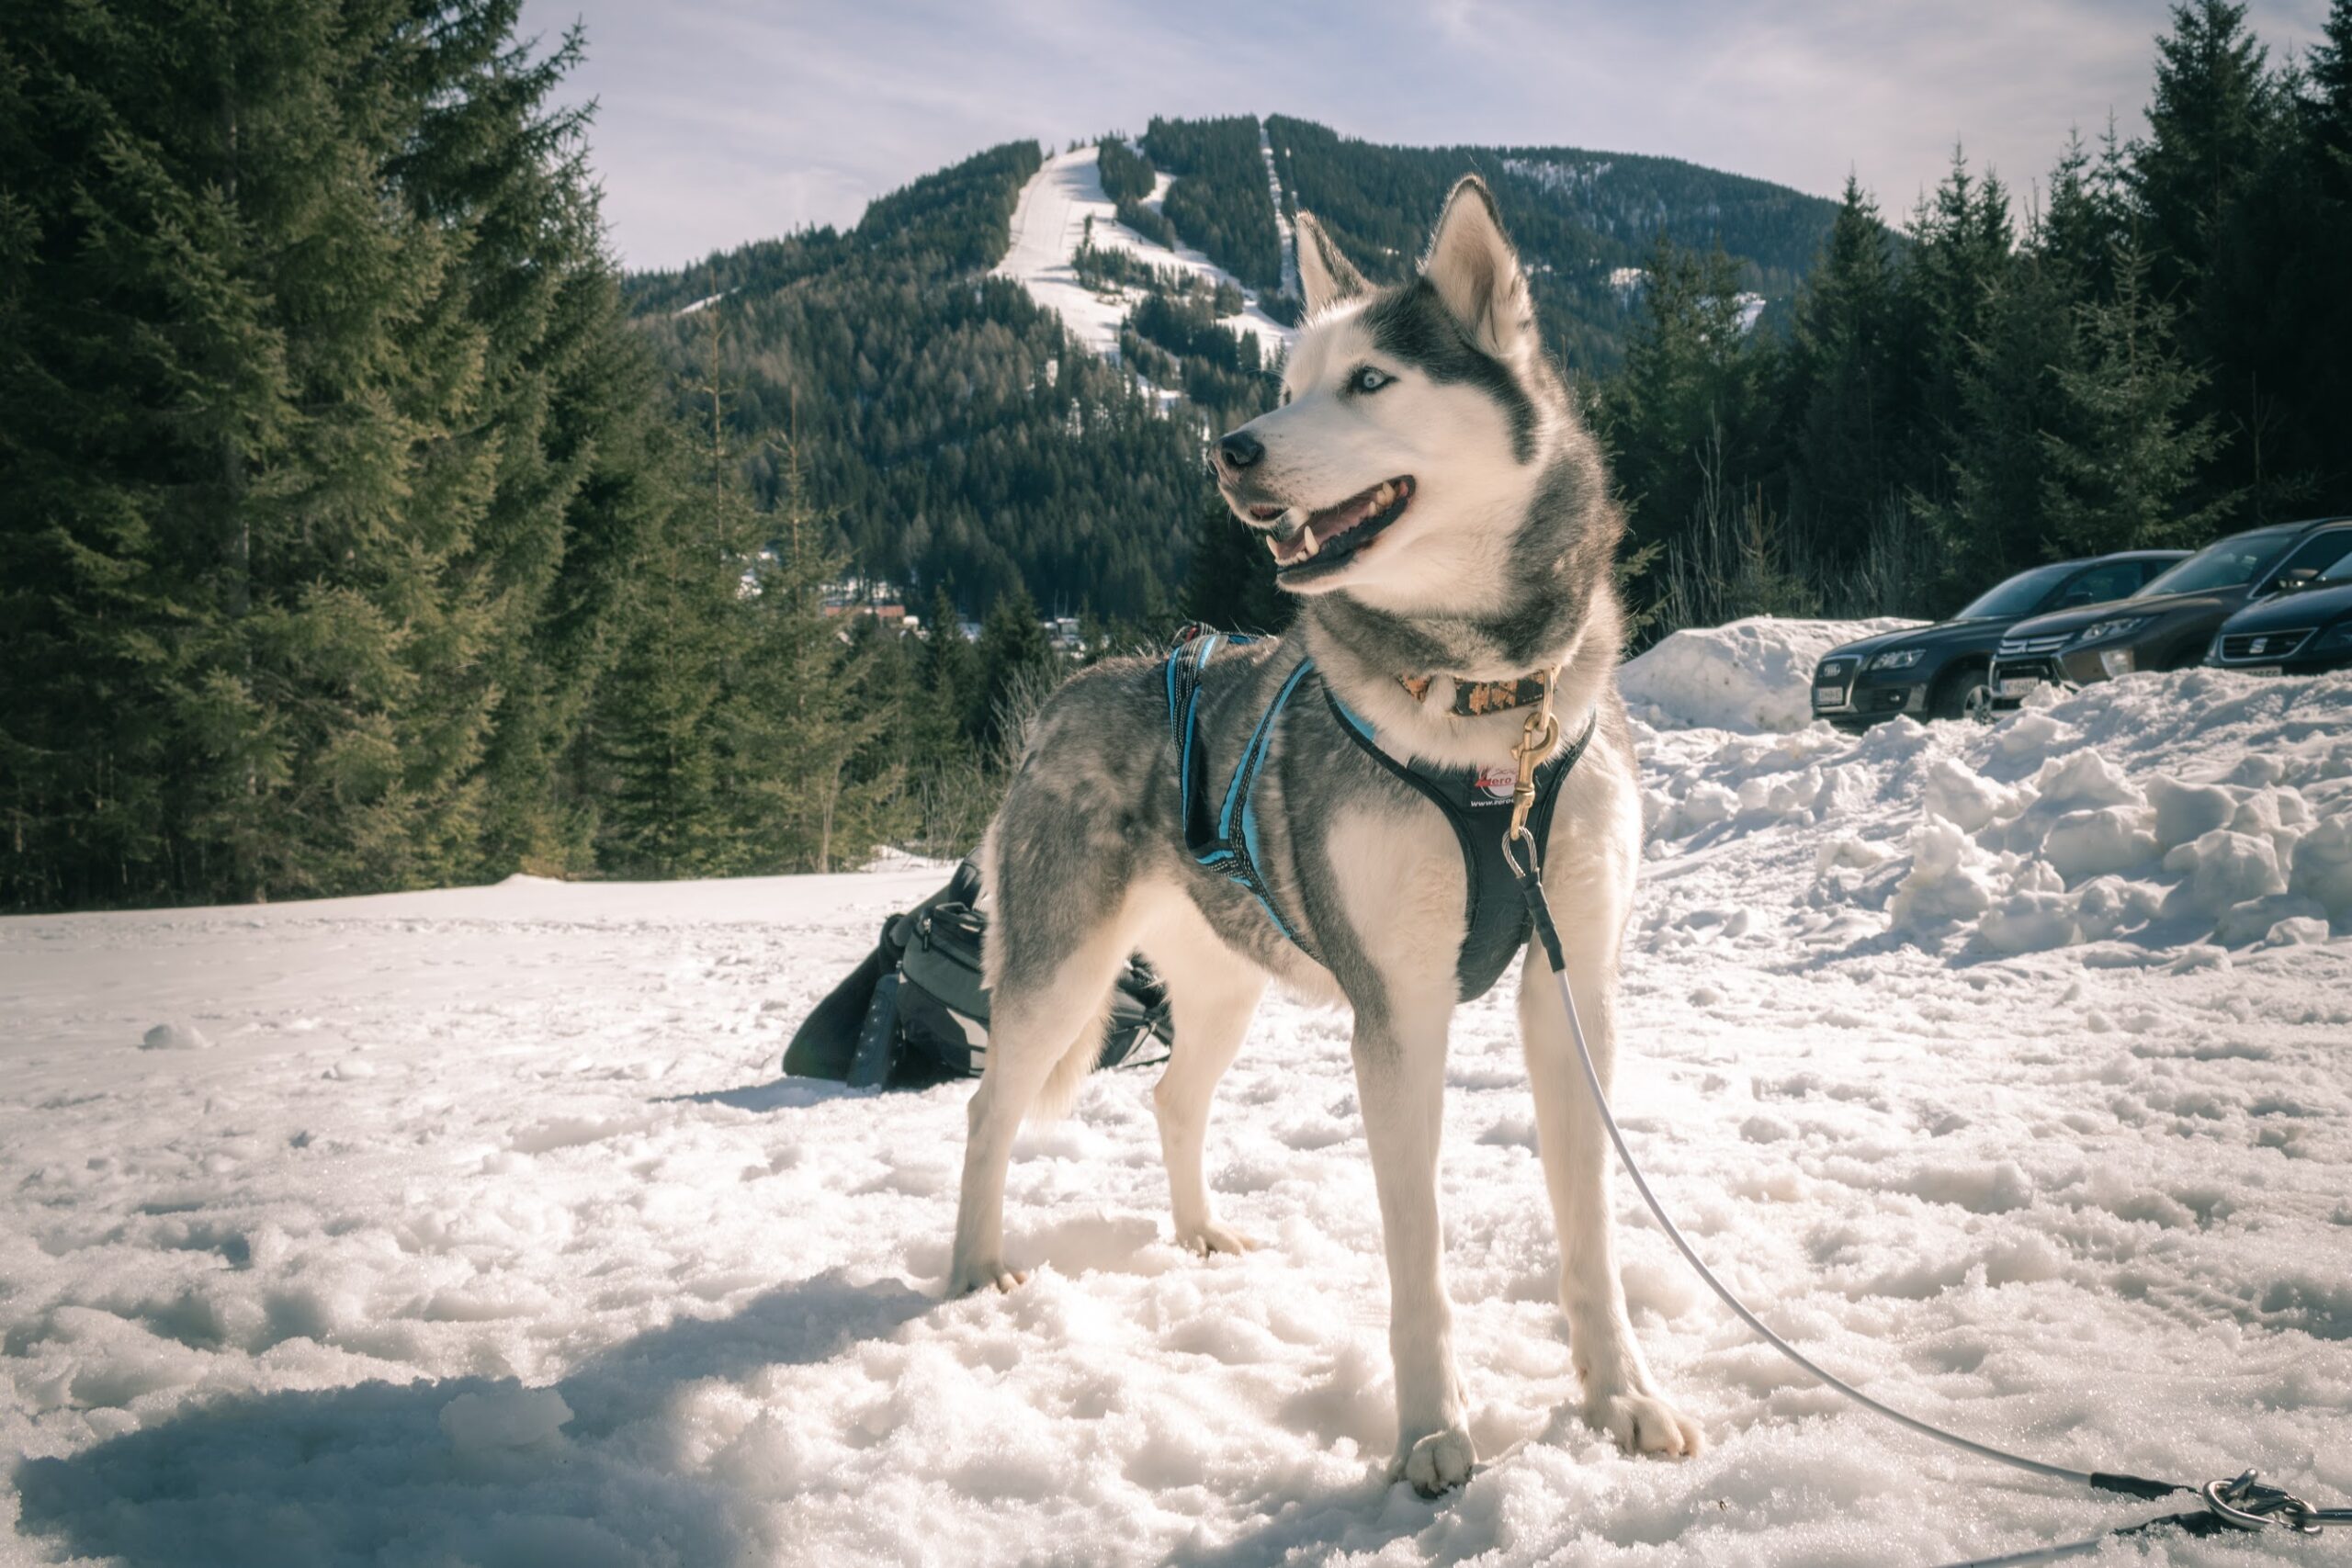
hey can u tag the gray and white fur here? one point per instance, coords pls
(1481, 547)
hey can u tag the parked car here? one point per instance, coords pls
(2305, 628)
(1942, 671)
(2171, 622)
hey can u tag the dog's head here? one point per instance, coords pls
(1413, 417)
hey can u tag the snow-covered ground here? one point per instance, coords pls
(474, 1226)
(1049, 224)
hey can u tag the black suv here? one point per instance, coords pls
(2305, 628)
(1943, 672)
(2171, 622)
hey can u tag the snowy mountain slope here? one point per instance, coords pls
(1049, 222)
(482, 1232)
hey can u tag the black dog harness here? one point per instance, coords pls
(1475, 803)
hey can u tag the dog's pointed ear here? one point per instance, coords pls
(1326, 276)
(1473, 269)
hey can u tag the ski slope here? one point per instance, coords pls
(475, 1227)
(1049, 224)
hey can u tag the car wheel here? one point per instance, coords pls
(1966, 693)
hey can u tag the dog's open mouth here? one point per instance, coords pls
(1334, 534)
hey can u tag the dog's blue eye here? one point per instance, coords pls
(1368, 380)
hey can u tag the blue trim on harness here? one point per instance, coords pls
(1230, 846)
(1496, 922)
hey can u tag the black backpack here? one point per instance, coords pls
(915, 1012)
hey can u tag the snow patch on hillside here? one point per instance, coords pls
(1750, 674)
(1049, 224)
(486, 1233)
(1289, 236)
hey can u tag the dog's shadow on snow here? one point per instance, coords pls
(380, 1473)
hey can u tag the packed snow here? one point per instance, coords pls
(1049, 222)
(1751, 675)
(2002, 1068)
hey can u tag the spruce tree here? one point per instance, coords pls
(804, 704)
(2210, 124)
(1696, 402)
(1017, 669)
(2125, 449)
(1962, 243)
(1844, 439)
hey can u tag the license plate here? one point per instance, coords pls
(2265, 670)
(2015, 686)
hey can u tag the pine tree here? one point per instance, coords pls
(1961, 244)
(1017, 669)
(804, 704)
(948, 670)
(1696, 396)
(2212, 120)
(2126, 449)
(1845, 436)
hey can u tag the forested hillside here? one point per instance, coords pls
(960, 439)
(1582, 220)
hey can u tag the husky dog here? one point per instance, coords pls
(1428, 491)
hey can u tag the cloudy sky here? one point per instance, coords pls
(725, 120)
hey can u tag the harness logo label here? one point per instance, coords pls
(1493, 787)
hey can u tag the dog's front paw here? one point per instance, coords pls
(1436, 1463)
(1645, 1424)
(1215, 1237)
(966, 1278)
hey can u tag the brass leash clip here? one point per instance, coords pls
(1536, 739)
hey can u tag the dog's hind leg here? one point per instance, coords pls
(1214, 993)
(1052, 964)
(1620, 1398)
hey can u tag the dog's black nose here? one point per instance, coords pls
(1238, 451)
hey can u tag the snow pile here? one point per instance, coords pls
(1049, 223)
(1750, 674)
(175, 1034)
(2162, 813)
(2002, 1068)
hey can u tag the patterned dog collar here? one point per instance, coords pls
(1472, 698)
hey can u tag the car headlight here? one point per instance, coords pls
(1901, 659)
(2115, 627)
(2337, 636)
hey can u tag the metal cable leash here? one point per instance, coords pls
(2240, 1505)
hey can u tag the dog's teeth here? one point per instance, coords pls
(1274, 548)
(1311, 543)
(1380, 497)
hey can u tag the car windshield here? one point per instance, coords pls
(2016, 596)
(2233, 563)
